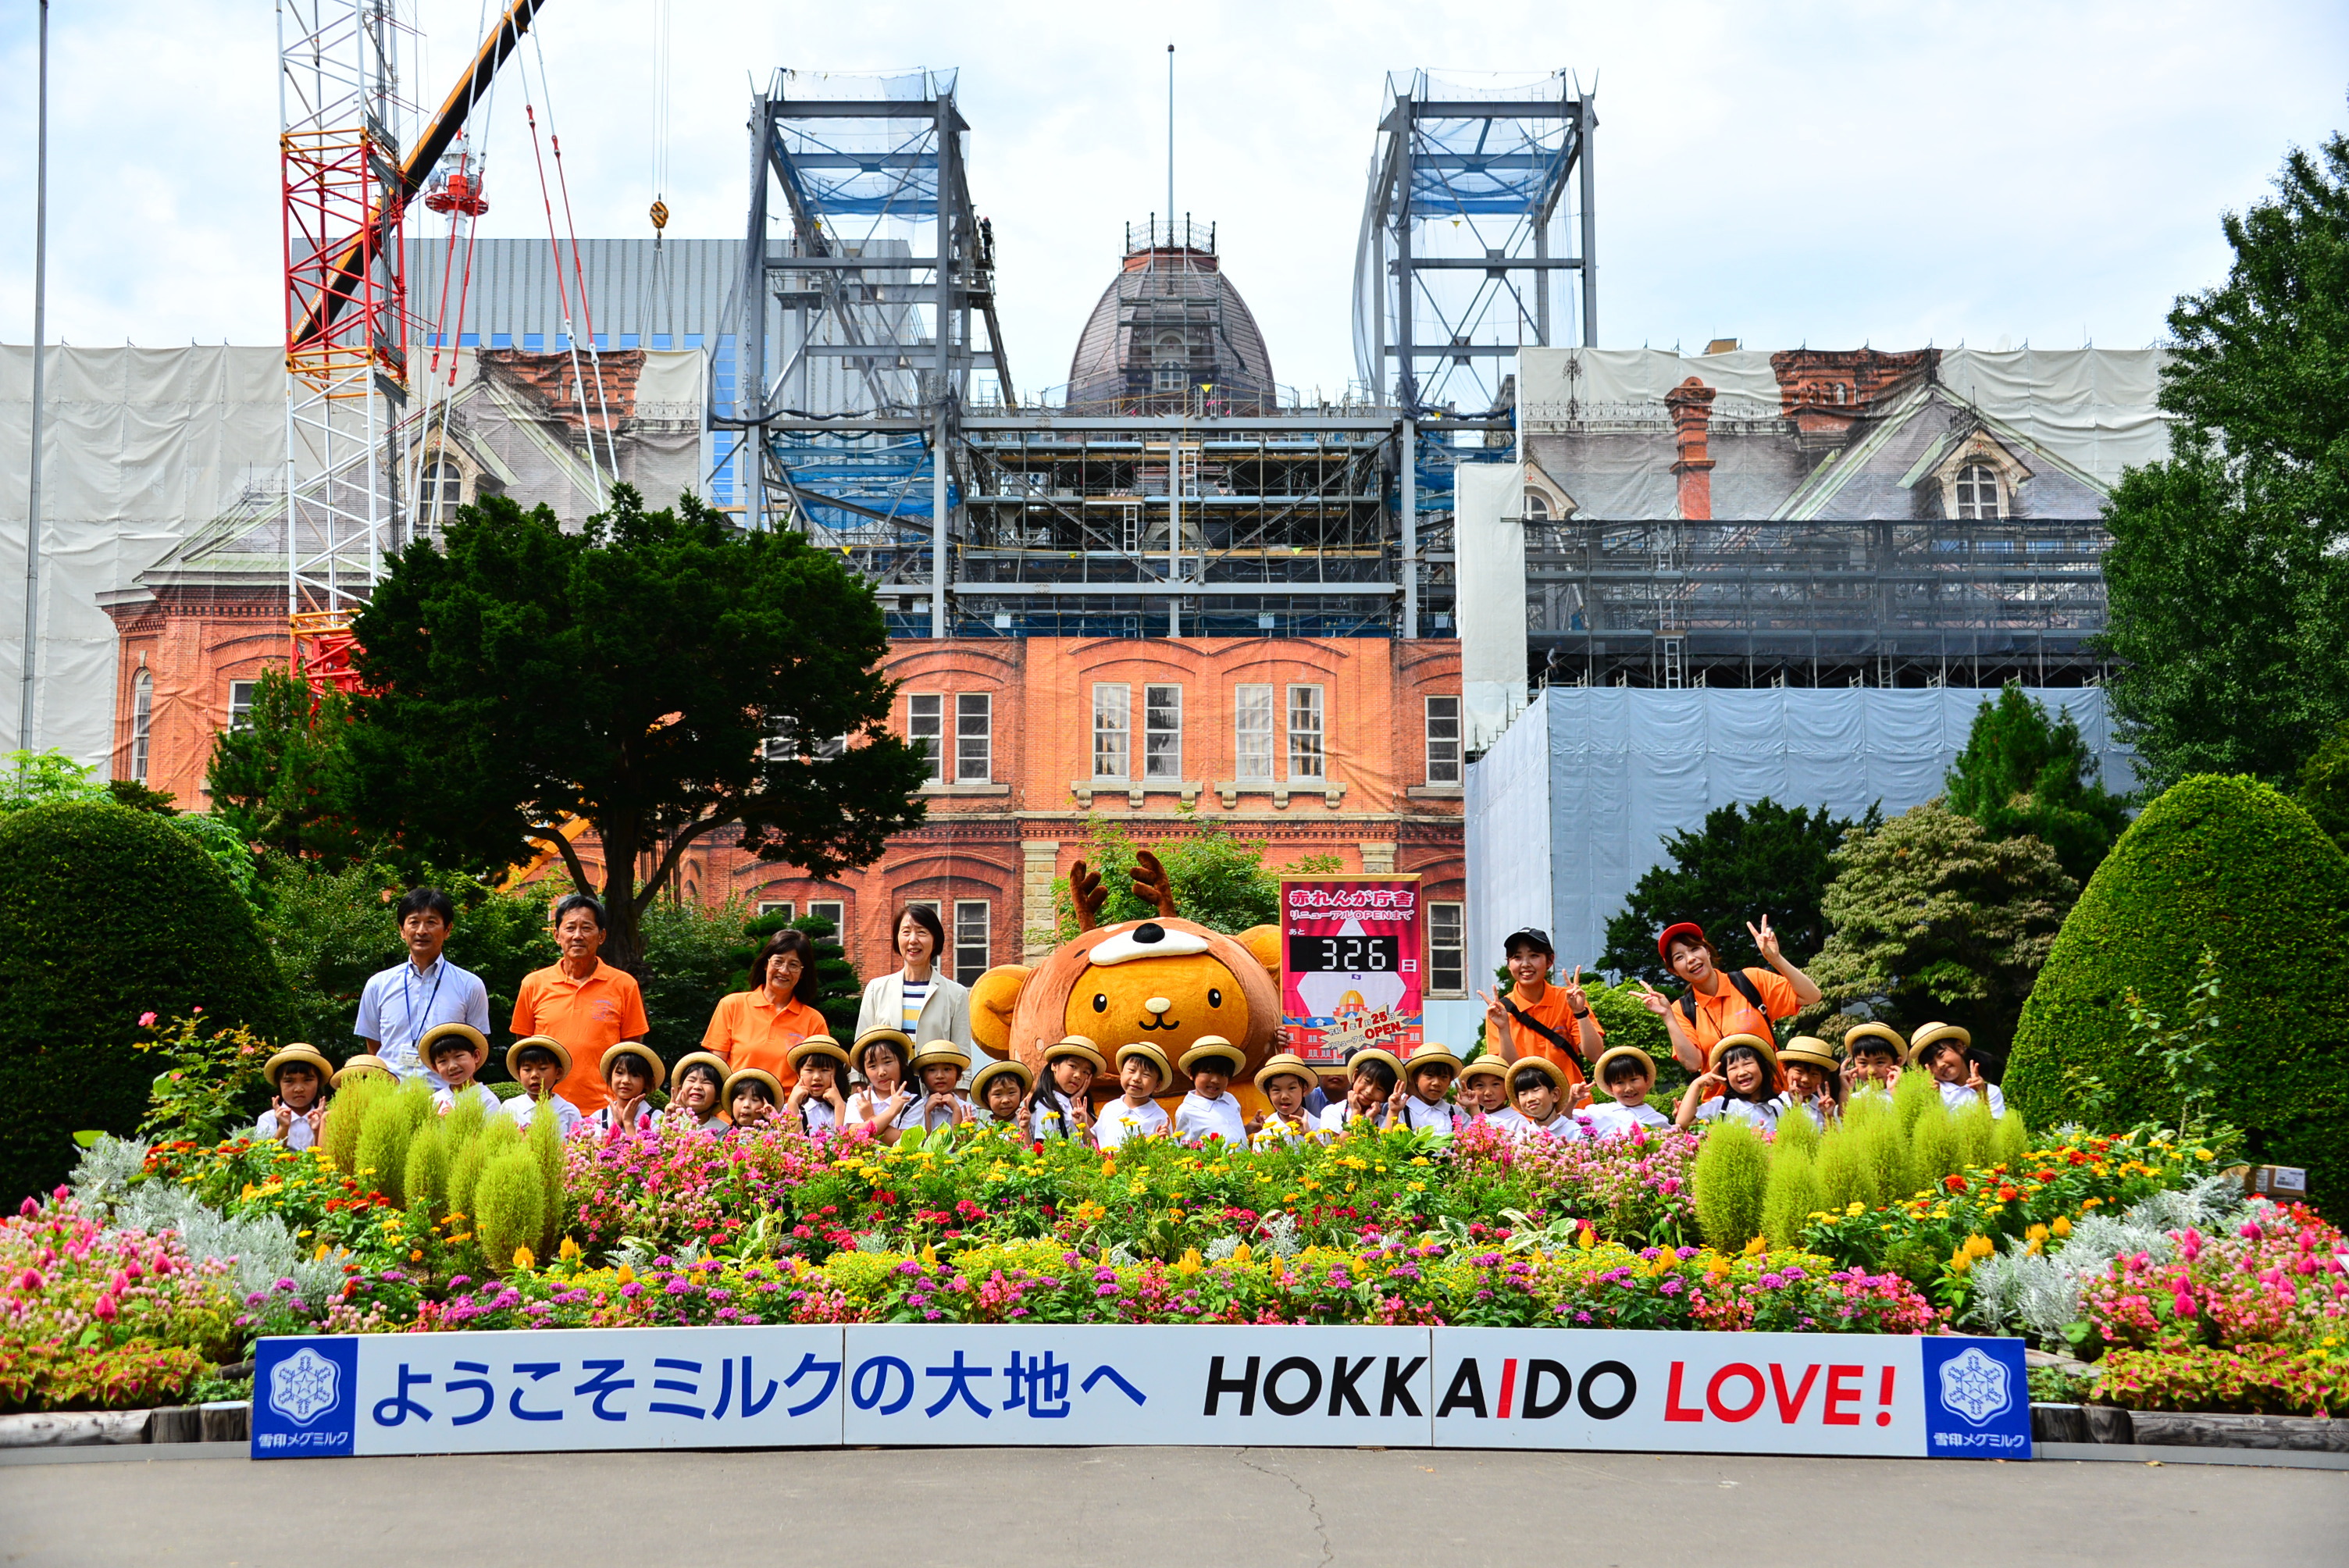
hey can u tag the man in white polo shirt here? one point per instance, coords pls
(404, 1002)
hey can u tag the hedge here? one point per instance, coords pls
(2230, 864)
(107, 912)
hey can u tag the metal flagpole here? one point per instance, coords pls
(40, 340)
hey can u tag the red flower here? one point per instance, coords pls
(1954, 1183)
(2007, 1195)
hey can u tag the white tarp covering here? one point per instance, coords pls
(1488, 513)
(2093, 407)
(1569, 808)
(140, 445)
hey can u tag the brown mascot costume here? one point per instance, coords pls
(1167, 982)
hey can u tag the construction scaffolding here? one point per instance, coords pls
(1679, 605)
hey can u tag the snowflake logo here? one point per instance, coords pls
(304, 1386)
(1975, 1386)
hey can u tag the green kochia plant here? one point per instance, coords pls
(511, 1205)
(545, 1145)
(1843, 1178)
(1933, 1148)
(1730, 1174)
(346, 1113)
(1793, 1194)
(384, 1137)
(426, 1174)
(1915, 1095)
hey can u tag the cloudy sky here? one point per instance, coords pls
(1787, 173)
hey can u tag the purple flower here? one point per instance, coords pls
(1672, 1286)
(632, 1289)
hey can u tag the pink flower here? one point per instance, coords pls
(106, 1309)
(147, 1020)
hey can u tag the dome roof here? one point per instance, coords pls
(1171, 331)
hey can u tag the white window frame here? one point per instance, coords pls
(1444, 740)
(834, 910)
(926, 722)
(1255, 734)
(1113, 730)
(239, 703)
(1308, 749)
(1969, 491)
(974, 736)
(782, 906)
(142, 723)
(972, 914)
(440, 491)
(1454, 917)
(1162, 732)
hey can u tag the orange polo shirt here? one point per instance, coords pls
(1727, 1012)
(749, 1031)
(589, 1017)
(1555, 1012)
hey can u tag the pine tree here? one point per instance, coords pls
(2022, 774)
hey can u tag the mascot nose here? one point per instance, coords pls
(1156, 1005)
(1150, 931)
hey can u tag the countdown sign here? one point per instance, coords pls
(1351, 958)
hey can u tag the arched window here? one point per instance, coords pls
(438, 492)
(1536, 506)
(1978, 496)
(143, 723)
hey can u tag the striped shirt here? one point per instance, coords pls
(916, 993)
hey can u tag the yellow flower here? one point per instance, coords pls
(1421, 1160)
(1756, 1247)
(1242, 1256)
(1857, 1209)
(1981, 1246)
(1418, 1186)
(2204, 1155)
(1583, 1238)
(627, 1276)
(523, 1258)
(246, 1196)
(1189, 1261)
(2035, 1234)
(569, 1251)
(2060, 1224)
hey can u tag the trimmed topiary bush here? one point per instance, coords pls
(2234, 865)
(107, 913)
(1730, 1174)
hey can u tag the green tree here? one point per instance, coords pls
(662, 675)
(2324, 787)
(107, 914)
(2022, 773)
(282, 779)
(1934, 919)
(2233, 868)
(2228, 583)
(1745, 862)
(689, 965)
(1220, 879)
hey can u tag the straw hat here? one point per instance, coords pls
(1434, 1054)
(1884, 1032)
(1489, 1065)
(640, 1050)
(305, 1054)
(702, 1059)
(1079, 1047)
(1287, 1063)
(1809, 1051)
(1933, 1035)
(1544, 1065)
(942, 1053)
(360, 1066)
(439, 1032)
(1722, 1048)
(1212, 1047)
(993, 1070)
(1148, 1053)
(774, 1085)
(897, 1038)
(545, 1043)
(1375, 1054)
(1598, 1069)
(823, 1046)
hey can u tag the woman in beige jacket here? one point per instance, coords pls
(918, 997)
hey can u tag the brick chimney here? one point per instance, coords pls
(1691, 406)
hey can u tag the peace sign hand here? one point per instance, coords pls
(1575, 996)
(1765, 939)
(1496, 1017)
(1653, 1000)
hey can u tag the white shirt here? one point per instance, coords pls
(1120, 1122)
(1517, 1124)
(815, 1116)
(1764, 1116)
(522, 1107)
(864, 1102)
(1197, 1120)
(297, 1136)
(1050, 1121)
(1278, 1128)
(1607, 1118)
(1956, 1095)
(402, 1005)
(445, 1098)
(1342, 1115)
(1421, 1117)
(933, 1116)
(1786, 1099)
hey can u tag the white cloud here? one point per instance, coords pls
(1820, 173)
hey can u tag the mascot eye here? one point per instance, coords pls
(1214, 997)
(1100, 1002)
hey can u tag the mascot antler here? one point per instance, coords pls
(1086, 893)
(1151, 881)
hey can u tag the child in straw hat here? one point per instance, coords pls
(1000, 1089)
(1371, 1077)
(631, 1072)
(1427, 1081)
(1482, 1090)
(1537, 1094)
(752, 1096)
(1947, 1051)
(538, 1064)
(1061, 1107)
(1744, 1067)
(697, 1091)
(360, 1066)
(1809, 1066)
(815, 1096)
(1627, 1074)
(1210, 1110)
(1284, 1081)
(1141, 1072)
(940, 1065)
(297, 1110)
(455, 1053)
(1872, 1054)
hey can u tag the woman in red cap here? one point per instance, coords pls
(1721, 1003)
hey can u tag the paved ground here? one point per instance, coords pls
(1267, 1508)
